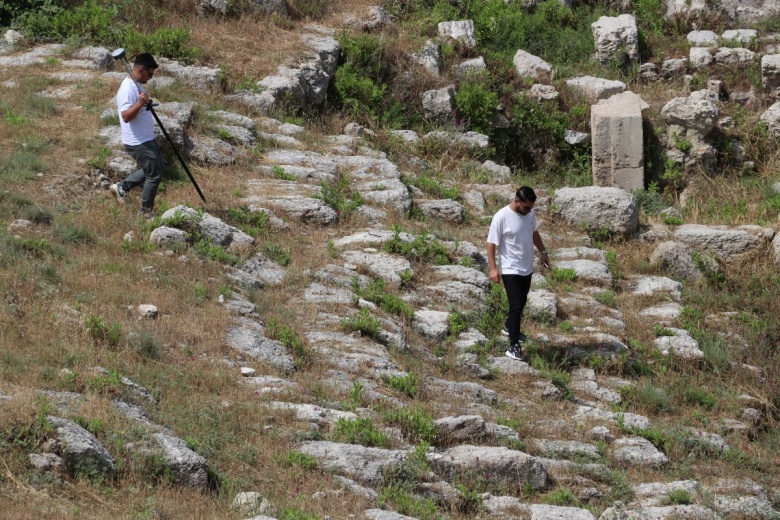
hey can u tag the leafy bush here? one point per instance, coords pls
(277, 253)
(288, 337)
(424, 248)
(377, 293)
(405, 384)
(340, 196)
(360, 431)
(364, 323)
(433, 186)
(417, 425)
(99, 330)
(476, 104)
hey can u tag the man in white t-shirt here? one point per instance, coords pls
(513, 234)
(137, 123)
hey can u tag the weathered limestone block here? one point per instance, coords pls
(439, 105)
(598, 208)
(616, 38)
(770, 71)
(501, 464)
(529, 66)
(462, 31)
(596, 88)
(703, 38)
(700, 57)
(682, 8)
(616, 134)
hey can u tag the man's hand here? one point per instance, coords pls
(545, 259)
(494, 276)
(143, 98)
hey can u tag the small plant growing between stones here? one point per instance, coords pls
(417, 425)
(277, 253)
(293, 458)
(424, 248)
(279, 173)
(407, 384)
(102, 332)
(679, 497)
(287, 336)
(563, 275)
(360, 431)
(377, 293)
(363, 322)
(608, 298)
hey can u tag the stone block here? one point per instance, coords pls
(616, 136)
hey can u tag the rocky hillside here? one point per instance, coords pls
(320, 339)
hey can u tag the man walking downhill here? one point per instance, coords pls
(137, 125)
(513, 232)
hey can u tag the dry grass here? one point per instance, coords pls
(46, 299)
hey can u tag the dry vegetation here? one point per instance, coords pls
(74, 265)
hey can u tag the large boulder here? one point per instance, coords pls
(187, 467)
(770, 72)
(83, 454)
(598, 208)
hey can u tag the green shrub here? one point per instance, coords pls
(402, 500)
(648, 396)
(294, 458)
(679, 497)
(701, 397)
(72, 234)
(608, 298)
(476, 104)
(340, 196)
(424, 248)
(277, 253)
(433, 186)
(417, 425)
(562, 497)
(363, 322)
(360, 431)
(377, 292)
(100, 331)
(563, 274)
(252, 223)
(145, 343)
(288, 337)
(405, 384)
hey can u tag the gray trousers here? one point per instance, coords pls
(150, 164)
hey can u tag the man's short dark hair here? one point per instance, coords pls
(145, 61)
(525, 194)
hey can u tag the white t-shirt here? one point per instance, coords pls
(513, 234)
(140, 129)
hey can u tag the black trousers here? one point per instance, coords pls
(517, 287)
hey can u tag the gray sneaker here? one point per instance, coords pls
(514, 352)
(117, 191)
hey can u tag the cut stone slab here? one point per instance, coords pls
(354, 461)
(598, 208)
(354, 354)
(293, 199)
(725, 243)
(529, 66)
(666, 311)
(462, 30)
(383, 265)
(703, 38)
(657, 493)
(559, 449)
(248, 337)
(381, 514)
(81, 451)
(319, 293)
(680, 345)
(461, 428)
(187, 467)
(596, 88)
(432, 323)
(498, 464)
(616, 37)
(637, 451)
(629, 419)
(650, 285)
(258, 272)
(314, 414)
(589, 270)
(466, 390)
(617, 137)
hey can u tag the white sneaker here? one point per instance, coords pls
(514, 353)
(117, 191)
